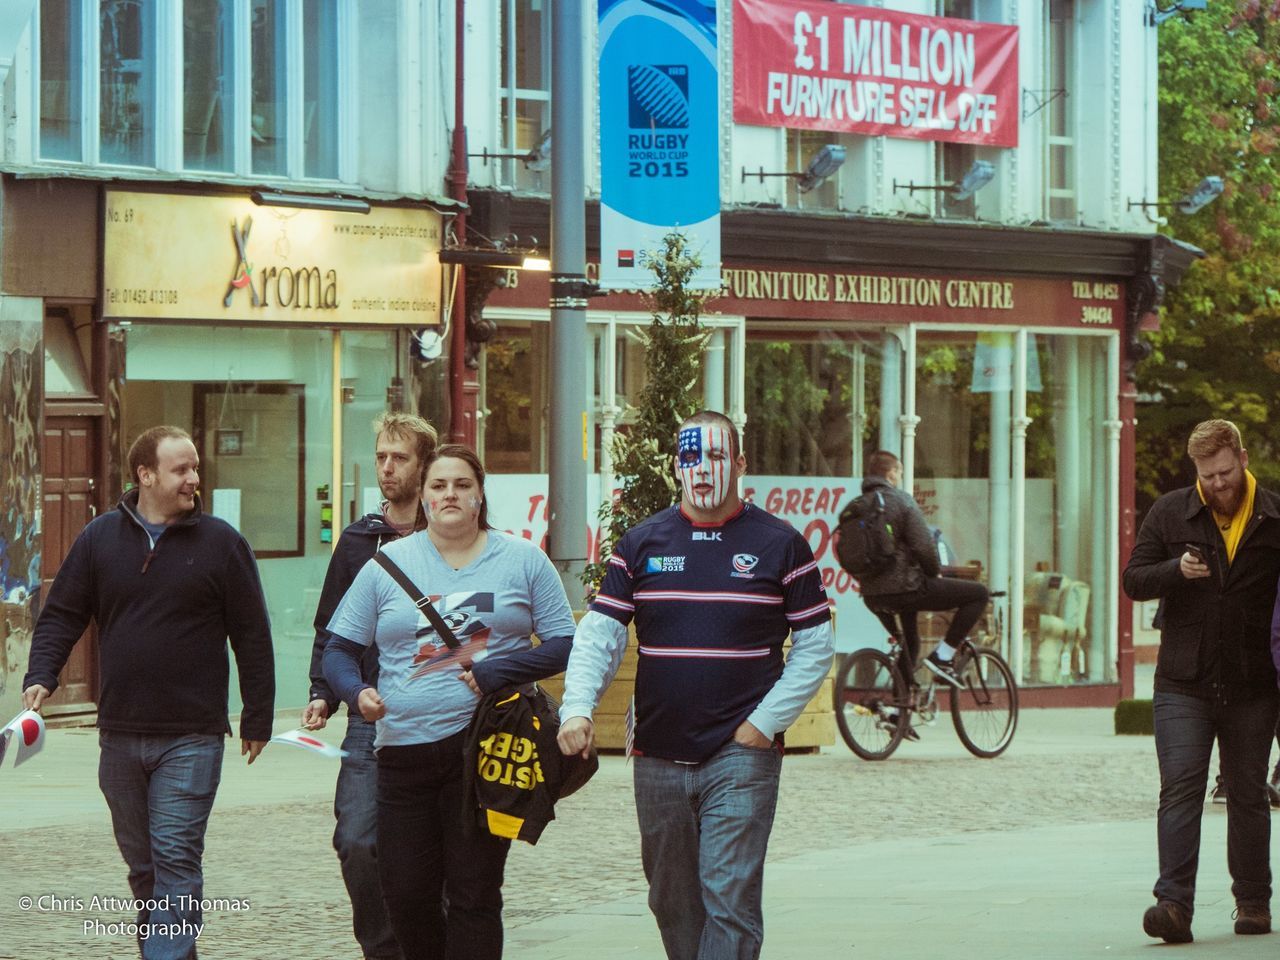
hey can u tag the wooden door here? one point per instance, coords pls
(69, 504)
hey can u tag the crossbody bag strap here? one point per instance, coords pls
(420, 600)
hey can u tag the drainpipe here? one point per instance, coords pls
(458, 191)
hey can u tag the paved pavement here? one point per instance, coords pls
(1047, 852)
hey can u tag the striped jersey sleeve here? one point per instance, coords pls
(804, 599)
(615, 598)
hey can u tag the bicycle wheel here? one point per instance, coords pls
(985, 709)
(870, 695)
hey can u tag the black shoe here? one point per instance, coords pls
(944, 670)
(1219, 792)
(891, 723)
(1252, 918)
(1167, 921)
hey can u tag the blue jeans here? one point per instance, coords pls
(160, 789)
(704, 828)
(442, 884)
(355, 804)
(1185, 730)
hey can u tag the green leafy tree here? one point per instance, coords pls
(1217, 353)
(643, 454)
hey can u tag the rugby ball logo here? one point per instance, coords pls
(745, 562)
(659, 96)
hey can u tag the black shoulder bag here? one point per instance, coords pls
(566, 774)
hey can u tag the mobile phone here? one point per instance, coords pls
(1195, 553)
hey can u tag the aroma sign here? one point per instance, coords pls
(222, 259)
(304, 288)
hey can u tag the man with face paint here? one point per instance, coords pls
(715, 586)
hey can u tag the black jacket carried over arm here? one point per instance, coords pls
(915, 556)
(165, 612)
(356, 547)
(1215, 632)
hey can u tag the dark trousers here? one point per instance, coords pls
(355, 805)
(1186, 728)
(442, 885)
(967, 597)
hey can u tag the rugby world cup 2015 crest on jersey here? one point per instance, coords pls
(664, 565)
(744, 565)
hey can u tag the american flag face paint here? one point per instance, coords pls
(704, 464)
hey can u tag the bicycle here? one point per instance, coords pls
(875, 705)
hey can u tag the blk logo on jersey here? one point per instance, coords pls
(744, 565)
(707, 535)
(464, 615)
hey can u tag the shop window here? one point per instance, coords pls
(269, 118)
(1064, 614)
(320, 90)
(207, 43)
(954, 160)
(127, 75)
(109, 86)
(67, 350)
(1060, 127)
(525, 89)
(812, 404)
(514, 393)
(250, 440)
(801, 147)
(60, 79)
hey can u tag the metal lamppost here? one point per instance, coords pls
(567, 480)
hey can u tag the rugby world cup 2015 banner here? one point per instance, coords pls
(816, 65)
(659, 136)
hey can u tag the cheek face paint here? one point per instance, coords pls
(697, 469)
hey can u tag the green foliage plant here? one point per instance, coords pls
(644, 453)
(1217, 352)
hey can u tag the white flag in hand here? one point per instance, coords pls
(27, 729)
(303, 739)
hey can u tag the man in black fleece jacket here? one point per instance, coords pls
(404, 444)
(167, 586)
(1210, 553)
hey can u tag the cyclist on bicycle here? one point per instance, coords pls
(911, 582)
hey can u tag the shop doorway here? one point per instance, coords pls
(69, 502)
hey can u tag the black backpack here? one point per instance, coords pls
(864, 541)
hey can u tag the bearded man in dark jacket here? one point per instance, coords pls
(1211, 554)
(404, 444)
(911, 582)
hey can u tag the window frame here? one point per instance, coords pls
(169, 95)
(507, 173)
(1066, 141)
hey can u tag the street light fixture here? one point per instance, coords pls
(537, 159)
(309, 201)
(821, 166)
(1206, 191)
(494, 257)
(1156, 16)
(974, 179)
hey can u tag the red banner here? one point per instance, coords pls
(817, 65)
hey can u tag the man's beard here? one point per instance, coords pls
(1226, 504)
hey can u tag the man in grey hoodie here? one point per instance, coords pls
(911, 583)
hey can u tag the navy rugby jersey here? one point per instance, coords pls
(712, 605)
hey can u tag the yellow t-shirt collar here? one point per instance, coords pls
(1232, 528)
